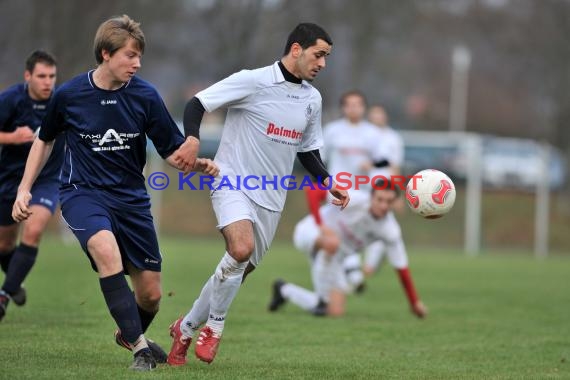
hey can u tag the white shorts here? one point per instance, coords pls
(305, 235)
(233, 205)
(327, 272)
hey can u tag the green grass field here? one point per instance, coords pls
(491, 317)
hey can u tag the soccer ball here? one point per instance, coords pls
(430, 193)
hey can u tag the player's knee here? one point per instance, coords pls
(241, 251)
(337, 301)
(102, 254)
(7, 246)
(105, 255)
(8, 238)
(335, 310)
(150, 298)
(32, 235)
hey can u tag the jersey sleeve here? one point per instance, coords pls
(313, 135)
(327, 144)
(397, 157)
(391, 234)
(329, 214)
(230, 91)
(7, 108)
(53, 121)
(378, 148)
(161, 129)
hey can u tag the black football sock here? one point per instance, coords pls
(122, 306)
(20, 265)
(146, 318)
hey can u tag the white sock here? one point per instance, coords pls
(199, 312)
(320, 274)
(351, 265)
(299, 296)
(226, 283)
(139, 344)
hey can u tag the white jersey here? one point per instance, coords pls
(269, 120)
(392, 148)
(348, 146)
(357, 228)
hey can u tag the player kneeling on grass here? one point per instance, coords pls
(105, 116)
(368, 218)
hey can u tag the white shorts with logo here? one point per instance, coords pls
(233, 205)
(327, 272)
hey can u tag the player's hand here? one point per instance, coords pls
(419, 309)
(185, 156)
(23, 134)
(21, 210)
(206, 166)
(341, 196)
(328, 241)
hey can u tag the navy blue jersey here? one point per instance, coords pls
(18, 109)
(105, 133)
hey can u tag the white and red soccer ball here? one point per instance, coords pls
(430, 193)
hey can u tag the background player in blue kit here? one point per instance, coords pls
(22, 108)
(106, 116)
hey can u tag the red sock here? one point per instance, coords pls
(314, 198)
(408, 284)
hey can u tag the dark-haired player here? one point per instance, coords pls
(274, 115)
(22, 108)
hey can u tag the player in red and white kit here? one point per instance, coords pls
(367, 219)
(352, 147)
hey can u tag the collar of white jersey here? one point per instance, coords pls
(279, 78)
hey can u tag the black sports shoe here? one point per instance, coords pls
(143, 361)
(277, 299)
(157, 352)
(361, 288)
(4, 301)
(321, 309)
(19, 297)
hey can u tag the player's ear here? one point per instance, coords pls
(27, 75)
(105, 54)
(296, 50)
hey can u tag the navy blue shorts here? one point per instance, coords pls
(44, 193)
(88, 211)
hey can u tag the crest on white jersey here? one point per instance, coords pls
(308, 112)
